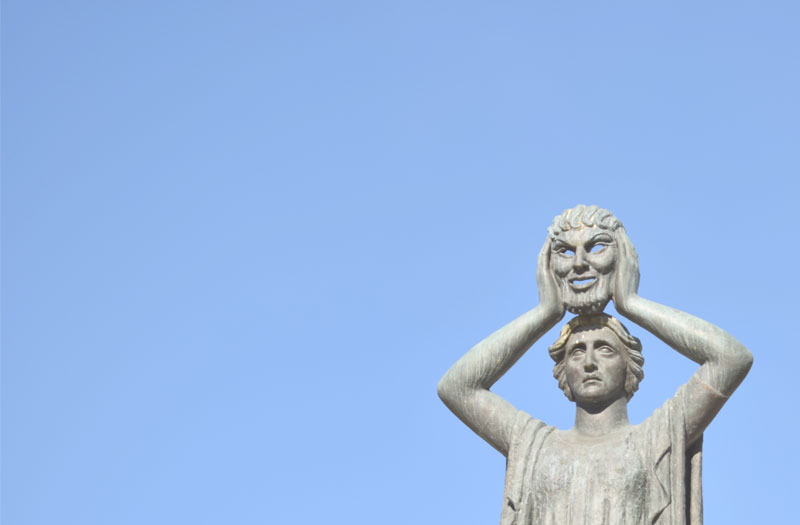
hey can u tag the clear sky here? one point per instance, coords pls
(242, 241)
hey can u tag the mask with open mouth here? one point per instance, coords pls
(583, 262)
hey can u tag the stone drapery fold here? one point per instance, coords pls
(674, 489)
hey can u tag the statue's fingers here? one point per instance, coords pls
(545, 251)
(544, 257)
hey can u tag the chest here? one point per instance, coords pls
(591, 481)
(617, 461)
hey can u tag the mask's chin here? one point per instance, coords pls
(588, 307)
(591, 301)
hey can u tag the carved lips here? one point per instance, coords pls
(582, 282)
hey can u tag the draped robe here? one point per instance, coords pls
(644, 475)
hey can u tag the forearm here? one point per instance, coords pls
(487, 361)
(726, 361)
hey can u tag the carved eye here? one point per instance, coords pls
(597, 248)
(577, 352)
(606, 350)
(563, 250)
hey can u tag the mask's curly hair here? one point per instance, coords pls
(582, 216)
(632, 345)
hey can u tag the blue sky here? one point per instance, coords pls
(242, 241)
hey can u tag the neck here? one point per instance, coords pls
(598, 420)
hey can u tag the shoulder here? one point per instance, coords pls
(526, 423)
(527, 431)
(688, 412)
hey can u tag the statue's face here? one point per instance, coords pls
(596, 365)
(583, 261)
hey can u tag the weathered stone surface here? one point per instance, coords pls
(604, 470)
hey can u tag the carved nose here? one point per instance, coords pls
(589, 364)
(579, 262)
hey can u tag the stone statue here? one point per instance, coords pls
(602, 471)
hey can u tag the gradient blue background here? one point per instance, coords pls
(242, 241)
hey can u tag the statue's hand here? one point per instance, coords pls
(626, 277)
(549, 292)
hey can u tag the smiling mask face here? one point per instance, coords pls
(583, 261)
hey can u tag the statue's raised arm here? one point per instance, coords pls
(465, 387)
(603, 470)
(724, 361)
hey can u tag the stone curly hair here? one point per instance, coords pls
(632, 345)
(581, 216)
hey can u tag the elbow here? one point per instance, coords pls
(443, 389)
(740, 365)
(450, 390)
(745, 361)
(456, 387)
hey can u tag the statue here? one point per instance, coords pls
(602, 471)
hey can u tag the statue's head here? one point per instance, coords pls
(584, 256)
(597, 360)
